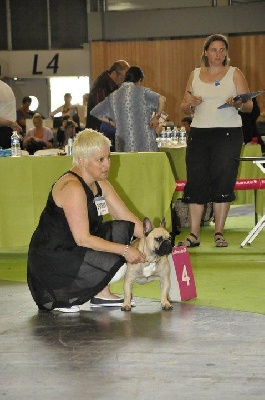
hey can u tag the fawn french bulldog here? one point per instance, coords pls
(156, 245)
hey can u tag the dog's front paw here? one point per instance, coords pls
(126, 307)
(167, 306)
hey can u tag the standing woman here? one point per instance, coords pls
(215, 138)
(67, 108)
(135, 111)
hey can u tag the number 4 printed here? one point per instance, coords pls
(53, 64)
(185, 276)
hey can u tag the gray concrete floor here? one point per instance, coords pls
(188, 353)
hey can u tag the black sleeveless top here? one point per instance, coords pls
(53, 227)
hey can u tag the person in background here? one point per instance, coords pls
(61, 134)
(67, 108)
(249, 127)
(85, 99)
(215, 139)
(82, 111)
(73, 255)
(163, 123)
(261, 131)
(186, 122)
(23, 113)
(69, 131)
(135, 110)
(39, 137)
(8, 122)
(106, 83)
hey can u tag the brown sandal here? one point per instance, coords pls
(190, 243)
(220, 240)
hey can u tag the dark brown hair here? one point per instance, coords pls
(216, 37)
(134, 74)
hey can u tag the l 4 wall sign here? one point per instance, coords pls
(44, 63)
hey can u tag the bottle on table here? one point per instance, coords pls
(70, 147)
(168, 135)
(163, 137)
(15, 145)
(175, 135)
(182, 135)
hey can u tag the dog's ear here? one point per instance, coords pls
(163, 223)
(147, 225)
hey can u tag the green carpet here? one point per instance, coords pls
(231, 278)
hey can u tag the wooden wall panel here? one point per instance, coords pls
(247, 53)
(167, 64)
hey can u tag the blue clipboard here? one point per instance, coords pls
(244, 97)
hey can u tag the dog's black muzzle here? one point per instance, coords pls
(165, 248)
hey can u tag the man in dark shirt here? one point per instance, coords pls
(23, 112)
(106, 83)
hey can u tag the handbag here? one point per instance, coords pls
(182, 216)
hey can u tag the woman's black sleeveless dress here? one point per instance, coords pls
(62, 274)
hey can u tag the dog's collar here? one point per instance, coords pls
(152, 260)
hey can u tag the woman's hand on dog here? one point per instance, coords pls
(134, 256)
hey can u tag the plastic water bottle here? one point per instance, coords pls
(163, 137)
(15, 145)
(175, 135)
(70, 147)
(182, 135)
(168, 136)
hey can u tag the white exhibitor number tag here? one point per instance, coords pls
(101, 206)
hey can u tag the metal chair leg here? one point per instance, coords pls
(254, 232)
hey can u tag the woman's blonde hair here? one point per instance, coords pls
(213, 38)
(37, 115)
(86, 143)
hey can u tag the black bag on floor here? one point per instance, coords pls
(182, 216)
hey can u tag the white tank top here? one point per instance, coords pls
(207, 115)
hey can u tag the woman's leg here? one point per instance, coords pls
(197, 190)
(195, 211)
(220, 214)
(226, 148)
(120, 232)
(106, 293)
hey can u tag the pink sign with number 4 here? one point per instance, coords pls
(182, 280)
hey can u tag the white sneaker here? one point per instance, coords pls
(73, 309)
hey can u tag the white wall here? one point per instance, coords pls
(32, 87)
